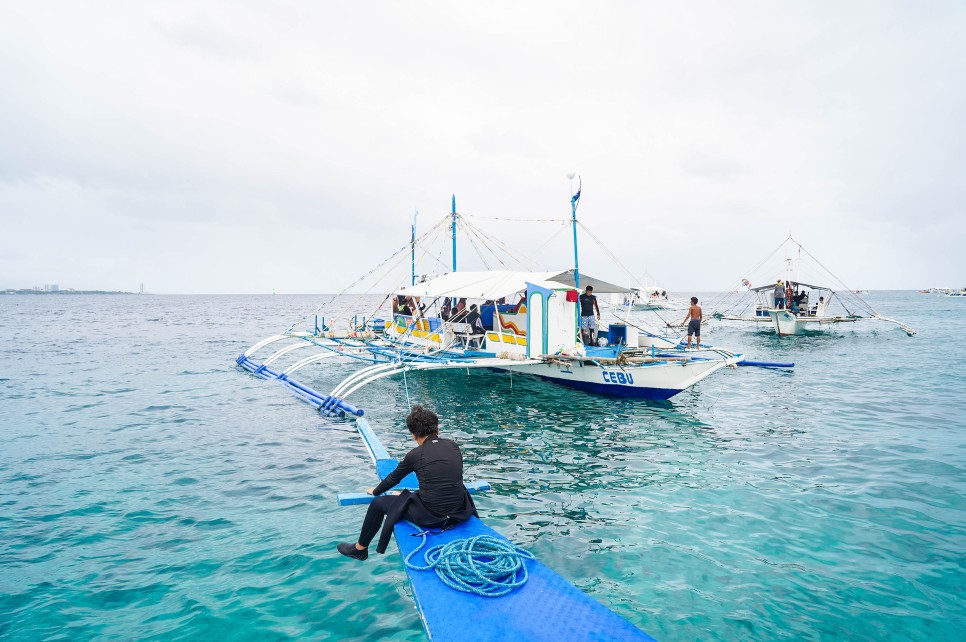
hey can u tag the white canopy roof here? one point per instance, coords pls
(490, 285)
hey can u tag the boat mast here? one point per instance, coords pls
(573, 219)
(798, 267)
(412, 257)
(453, 213)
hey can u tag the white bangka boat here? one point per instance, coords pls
(791, 306)
(530, 326)
(649, 298)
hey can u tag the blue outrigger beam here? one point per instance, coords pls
(766, 364)
(546, 608)
(326, 404)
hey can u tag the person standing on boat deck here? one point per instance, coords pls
(779, 295)
(694, 325)
(447, 310)
(442, 500)
(588, 322)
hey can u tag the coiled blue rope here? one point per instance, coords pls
(483, 565)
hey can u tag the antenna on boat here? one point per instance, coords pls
(412, 244)
(453, 213)
(573, 217)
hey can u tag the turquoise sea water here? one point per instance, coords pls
(151, 490)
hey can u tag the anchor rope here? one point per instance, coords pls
(483, 565)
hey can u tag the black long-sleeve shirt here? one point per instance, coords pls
(438, 464)
(475, 321)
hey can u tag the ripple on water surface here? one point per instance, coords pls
(148, 489)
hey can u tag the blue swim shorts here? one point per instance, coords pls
(694, 327)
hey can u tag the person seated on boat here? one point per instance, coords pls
(460, 314)
(779, 295)
(588, 320)
(798, 301)
(442, 500)
(446, 311)
(402, 306)
(416, 306)
(694, 325)
(817, 308)
(477, 331)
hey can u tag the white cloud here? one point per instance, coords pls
(244, 147)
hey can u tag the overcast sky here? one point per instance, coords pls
(241, 147)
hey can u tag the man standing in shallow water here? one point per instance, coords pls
(694, 325)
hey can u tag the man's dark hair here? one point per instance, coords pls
(590, 288)
(694, 300)
(422, 422)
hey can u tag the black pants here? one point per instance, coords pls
(382, 505)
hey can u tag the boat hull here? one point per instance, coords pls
(786, 324)
(652, 381)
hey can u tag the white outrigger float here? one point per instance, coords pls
(803, 306)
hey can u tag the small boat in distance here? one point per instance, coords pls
(790, 305)
(649, 298)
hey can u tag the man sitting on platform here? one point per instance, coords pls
(441, 501)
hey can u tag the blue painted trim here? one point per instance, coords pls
(373, 445)
(546, 292)
(573, 214)
(384, 463)
(616, 391)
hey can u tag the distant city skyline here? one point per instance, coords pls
(247, 148)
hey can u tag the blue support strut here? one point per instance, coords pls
(573, 218)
